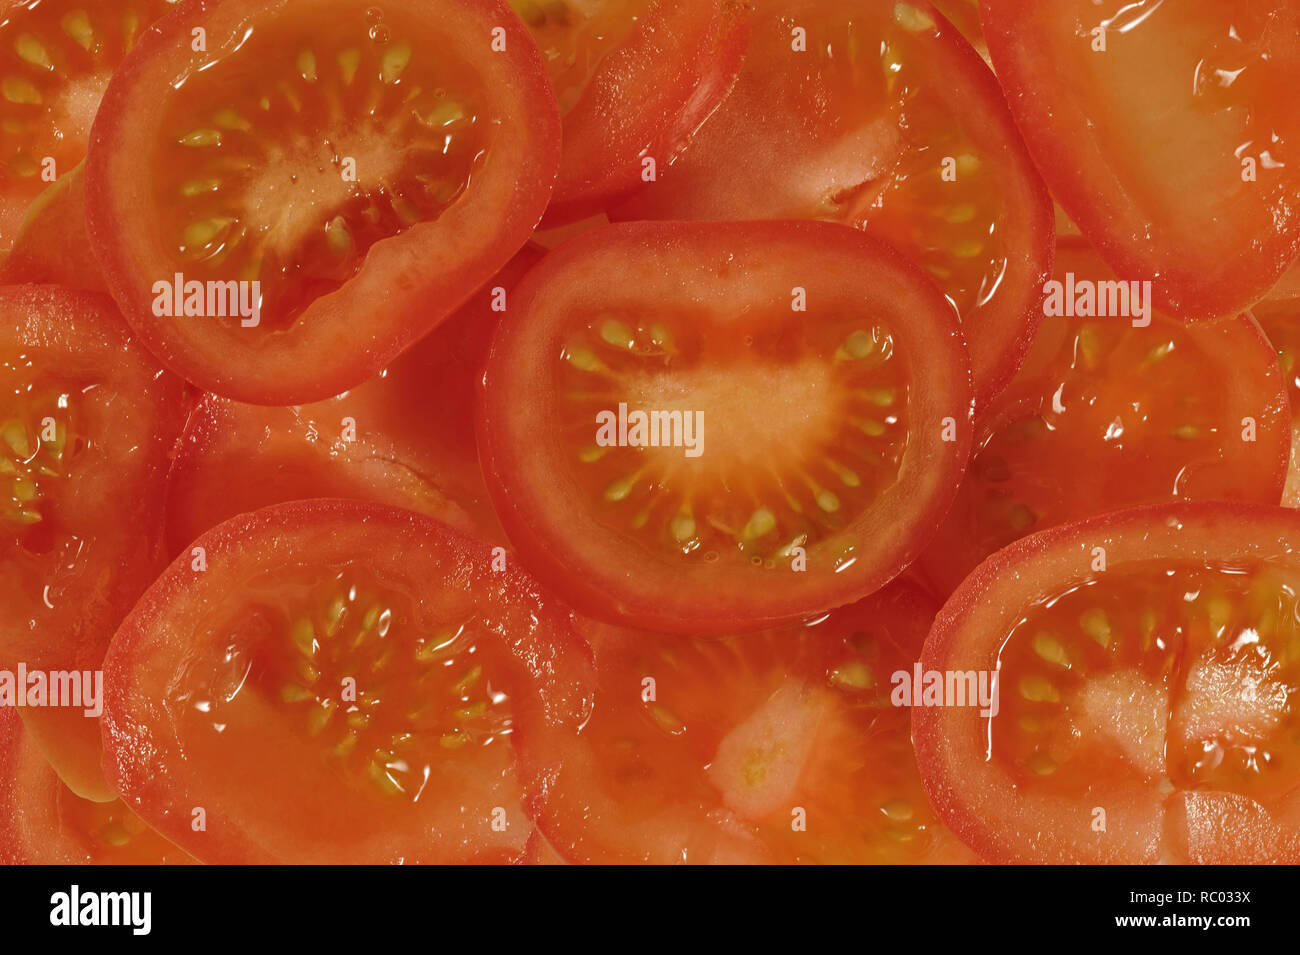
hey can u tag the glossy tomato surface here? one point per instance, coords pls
(778, 747)
(1106, 413)
(810, 402)
(1165, 131)
(881, 116)
(368, 166)
(1147, 663)
(337, 681)
(88, 420)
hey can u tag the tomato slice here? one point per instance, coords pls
(56, 57)
(635, 78)
(1279, 316)
(1170, 147)
(773, 747)
(342, 683)
(1104, 415)
(361, 163)
(52, 247)
(87, 421)
(46, 823)
(1147, 663)
(812, 453)
(887, 121)
(404, 438)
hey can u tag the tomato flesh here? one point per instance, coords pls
(1279, 316)
(775, 747)
(1142, 705)
(1170, 146)
(355, 701)
(46, 823)
(807, 458)
(56, 57)
(404, 438)
(87, 421)
(1104, 415)
(889, 122)
(349, 158)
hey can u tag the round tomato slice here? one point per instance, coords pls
(404, 438)
(1164, 131)
(1104, 415)
(1279, 316)
(52, 247)
(56, 57)
(635, 78)
(1147, 664)
(348, 172)
(879, 115)
(336, 681)
(716, 427)
(774, 747)
(87, 421)
(45, 823)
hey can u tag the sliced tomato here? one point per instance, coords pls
(635, 78)
(820, 388)
(56, 57)
(405, 438)
(52, 247)
(368, 166)
(965, 16)
(541, 852)
(1104, 415)
(1279, 316)
(341, 683)
(1147, 662)
(87, 421)
(774, 747)
(46, 823)
(879, 115)
(1170, 146)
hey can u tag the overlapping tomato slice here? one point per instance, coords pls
(368, 165)
(879, 115)
(1166, 132)
(804, 404)
(1104, 415)
(404, 438)
(1279, 315)
(56, 58)
(43, 822)
(635, 78)
(337, 681)
(87, 421)
(1148, 662)
(774, 747)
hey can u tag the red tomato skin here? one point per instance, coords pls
(573, 580)
(681, 103)
(146, 767)
(414, 281)
(1188, 288)
(950, 774)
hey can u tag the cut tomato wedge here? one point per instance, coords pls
(879, 115)
(43, 822)
(87, 420)
(56, 57)
(717, 427)
(337, 681)
(1164, 129)
(405, 438)
(635, 78)
(281, 213)
(775, 747)
(1147, 665)
(1105, 415)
